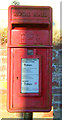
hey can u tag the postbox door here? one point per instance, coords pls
(22, 99)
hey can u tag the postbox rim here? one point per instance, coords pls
(28, 6)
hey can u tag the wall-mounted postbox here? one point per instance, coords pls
(29, 59)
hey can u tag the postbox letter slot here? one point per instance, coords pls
(34, 26)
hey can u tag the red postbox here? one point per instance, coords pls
(29, 59)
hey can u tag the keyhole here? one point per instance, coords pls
(17, 78)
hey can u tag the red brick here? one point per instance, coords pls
(57, 91)
(55, 83)
(2, 77)
(55, 106)
(3, 91)
(3, 45)
(57, 98)
(4, 52)
(55, 61)
(60, 106)
(2, 68)
(53, 69)
(4, 60)
(0, 52)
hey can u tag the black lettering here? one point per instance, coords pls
(27, 83)
(27, 65)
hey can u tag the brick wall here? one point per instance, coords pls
(3, 66)
(57, 80)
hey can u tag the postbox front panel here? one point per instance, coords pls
(30, 83)
(29, 59)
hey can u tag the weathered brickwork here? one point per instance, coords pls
(3, 66)
(57, 80)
